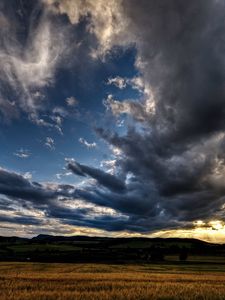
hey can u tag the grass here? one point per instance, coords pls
(43, 248)
(40, 281)
(146, 244)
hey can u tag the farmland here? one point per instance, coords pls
(80, 268)
(43, 281)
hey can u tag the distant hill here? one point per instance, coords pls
(107, 249)
(45, 237)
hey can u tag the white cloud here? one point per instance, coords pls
(116, 151)
(109, 165)
(22, 153)
(71, 101)
(27, 175)
(8, 110)
(60, 175)
(50, 143)
(107, 20)
(87, 144)
(118, 81)
(53, 121)
(140, 110)
(27, 69)
(120, 123)
(135, 82)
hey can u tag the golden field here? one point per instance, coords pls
(41, 281)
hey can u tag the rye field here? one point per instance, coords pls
(42, 281)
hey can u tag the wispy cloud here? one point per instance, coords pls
(87, 144)
(71, 101)
(29, 67)
(107, 21)
(22, 153)
(28, 175)
(50, 143)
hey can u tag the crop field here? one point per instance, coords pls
(35, 281)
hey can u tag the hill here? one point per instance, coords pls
(48, 248)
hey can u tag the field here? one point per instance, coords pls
(35, 281)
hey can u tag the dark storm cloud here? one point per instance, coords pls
(171, 168)
(81, 217)
(14, 185)
(106, 180)
(182, 45)
(177, 160)
(21, 220)
(19, 192)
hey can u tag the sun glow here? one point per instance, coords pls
(212, 231)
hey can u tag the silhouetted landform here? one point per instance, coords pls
(47, 248)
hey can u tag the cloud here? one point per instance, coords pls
(106, 22)
(118, 81)
(19, 187)
(50, 143)
(22, 153)
(29, 60)
(71, 101)
(8, 110)
(54, 119)
(33, 203)
(136, 83)
(87, 144)
(21, 220)
(28, 175)
(106, 180)
(137, 109)
(60, 175)
(110, 165)
(171, 165)
(172, 158)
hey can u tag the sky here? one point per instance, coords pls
(112, 118)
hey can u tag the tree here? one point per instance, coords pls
(183, 254)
